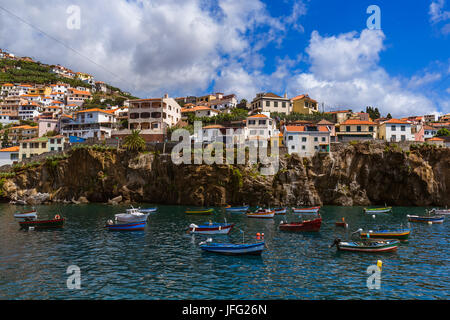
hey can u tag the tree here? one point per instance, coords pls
(389, 116)
(5, 140)
(244, 101)
(134, 142)
(443, 132)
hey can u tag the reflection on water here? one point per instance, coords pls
(164, 262)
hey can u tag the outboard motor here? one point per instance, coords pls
(336, 242)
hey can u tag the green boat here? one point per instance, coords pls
(56, 223)
(377, 210)
(200, 212)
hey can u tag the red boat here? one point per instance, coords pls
(342, 224)
(305, 226)
(55, 223)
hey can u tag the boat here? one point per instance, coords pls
(55, 223)
(261, 213)
(377, 210)
(341, 223)
(426, 219)
(148, 210)
(130, 226)
(29, 215)
(366, 245)
(303, 226)
(399, 234)
(280, 211)
(211, 228)
(200, 212)
(233, 249)
(306, 210)
(236, 209)
(439, 211)
(131, 215)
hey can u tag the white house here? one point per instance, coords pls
(395, 130)
(90, 123)
(307, 140)
(9, 155)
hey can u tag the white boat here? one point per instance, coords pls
(262, 213)
(148, 210)
(132, 215)
(306, 210)
(377, 210)
(29, 215)
(440, 211)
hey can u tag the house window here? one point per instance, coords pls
(303, 147)
(316, 147)
(292, 147)
(358, 128)
(58, 141)
(290, 138)
(403, 128)
(24, 145)
(393, 128)
(52, 149)
(323, 139)
(59, 148)
(283, 104)
(267, 103)
(403, 137)
(347, 128)
(44, 145)
(370, 129)
(303, 139)
(275, 104)
(262, 122)
(316, 139)
(251, 121)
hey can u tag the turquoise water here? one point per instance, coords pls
(164, 262)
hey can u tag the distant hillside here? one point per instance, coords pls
(17, 71)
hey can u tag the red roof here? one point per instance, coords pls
(358, 122)
(397, 121)
(10, 149)
(303, 128)
(259, 115)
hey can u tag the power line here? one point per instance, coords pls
(63, 44)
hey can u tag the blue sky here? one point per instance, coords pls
(194, 47)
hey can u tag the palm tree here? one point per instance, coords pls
(134, 142)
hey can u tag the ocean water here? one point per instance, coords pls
(164, 262)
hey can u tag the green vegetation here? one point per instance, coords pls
(235, 115)
(443, 132)
(373, 113)
(134, 142)
(294, 116)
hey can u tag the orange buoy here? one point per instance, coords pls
(57, 217)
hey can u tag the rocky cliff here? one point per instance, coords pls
(358, 174)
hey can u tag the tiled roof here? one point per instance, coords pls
(358, 122)
(11, 149)
(398, 121)
(259, 115)
(303, 129)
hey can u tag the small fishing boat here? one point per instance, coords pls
(148, 210)
(55, 223)
(131, 215)
(233, 249)
(280, 211)
(366, 245)
(399, 234)
(303, 226)
(200, 212)
(306, 210)
(131, 226)
(377, 210)
(439, 211)
(29, 215)
(426, 219)
(211, 228)
(261, 213)
(236, 209)
(341, 223)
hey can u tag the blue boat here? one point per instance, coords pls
(237, 209)
(148, 210)
(280, 210)
(426, 219)
(233, 249)
(132, 226)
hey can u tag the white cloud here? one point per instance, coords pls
(345, 73)
(436, 11)
(174, 46)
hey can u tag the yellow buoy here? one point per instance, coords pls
(379, 264)
(430, 222)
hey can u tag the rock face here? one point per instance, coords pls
(360, 174)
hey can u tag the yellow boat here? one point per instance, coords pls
(201, 212)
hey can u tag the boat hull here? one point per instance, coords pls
(341, 224)
(261, 215)
(123, 217)
(400, 235)
(31, 215)
(280, 211)
(305, 226)
(133, 226)
(233, 249)
(148, 210)
(306, 210)
(205, 229)
(388, 246)
(43, 224)
(200, 212)
(237, 209)
(377, 210)
(434, 219)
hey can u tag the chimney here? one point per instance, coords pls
(285, 95)
(166, 96)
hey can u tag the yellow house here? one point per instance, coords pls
(18, 133)
(37, 146)
(353, 129)
(304, 104)
(44, 91)
(84, 76)
(206, 98)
